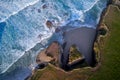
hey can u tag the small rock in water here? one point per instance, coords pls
(44, 6)
(40, 36)
(49, 24)
(57, 30)
(39, 10)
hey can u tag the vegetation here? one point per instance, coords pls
(53, 73)
(74, 54)
(108, 46)
(110, 50)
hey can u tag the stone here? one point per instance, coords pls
(39, 10)
(102, 30)
(49, 24)
(42, 57)
(53, 51)
(44, 6)
(49, 55)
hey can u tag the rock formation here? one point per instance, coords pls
(49, 24)
(49, 55)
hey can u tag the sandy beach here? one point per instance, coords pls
(84, 39)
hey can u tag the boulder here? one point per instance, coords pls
(49, 24)
(44, 6)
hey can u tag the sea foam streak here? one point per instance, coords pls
(17, 10)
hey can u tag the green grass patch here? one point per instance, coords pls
(110, 55)
(74, 54)
(110, 68)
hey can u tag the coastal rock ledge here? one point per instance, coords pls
(49, 55)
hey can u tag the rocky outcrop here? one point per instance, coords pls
(49, 55)
(42, 57)
(54, 51)
(49, 24)
(44, 6)
(102, 29)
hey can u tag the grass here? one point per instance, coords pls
(52, 73)
(110, 69)
(74, 54)
(110, 57)
(49, 73)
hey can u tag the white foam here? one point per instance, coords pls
(91, 6)
(15, 12)
(77, 15)
(39, 20)
(20, 54)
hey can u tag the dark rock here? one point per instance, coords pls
(49, 24)
(39, 10)
(44, 6)
(102, 31)
(57, 30)
(41, 66)
(40, 36)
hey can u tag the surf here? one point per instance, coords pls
(25, 27)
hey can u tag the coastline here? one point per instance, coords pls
(94, 38)
(108, 45)
(100, 40)
(96, 34)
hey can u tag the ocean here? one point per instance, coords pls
(23, 30)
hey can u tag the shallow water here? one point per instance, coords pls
(22, 25)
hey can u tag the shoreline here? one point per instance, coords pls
(102, 15)
(99, 25)
(32, 47)
(104, 12)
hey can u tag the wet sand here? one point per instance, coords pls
(84, 39)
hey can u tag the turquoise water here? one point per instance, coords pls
(22, 26)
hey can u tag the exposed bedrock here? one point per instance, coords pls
(49, 55)
(83, 38)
